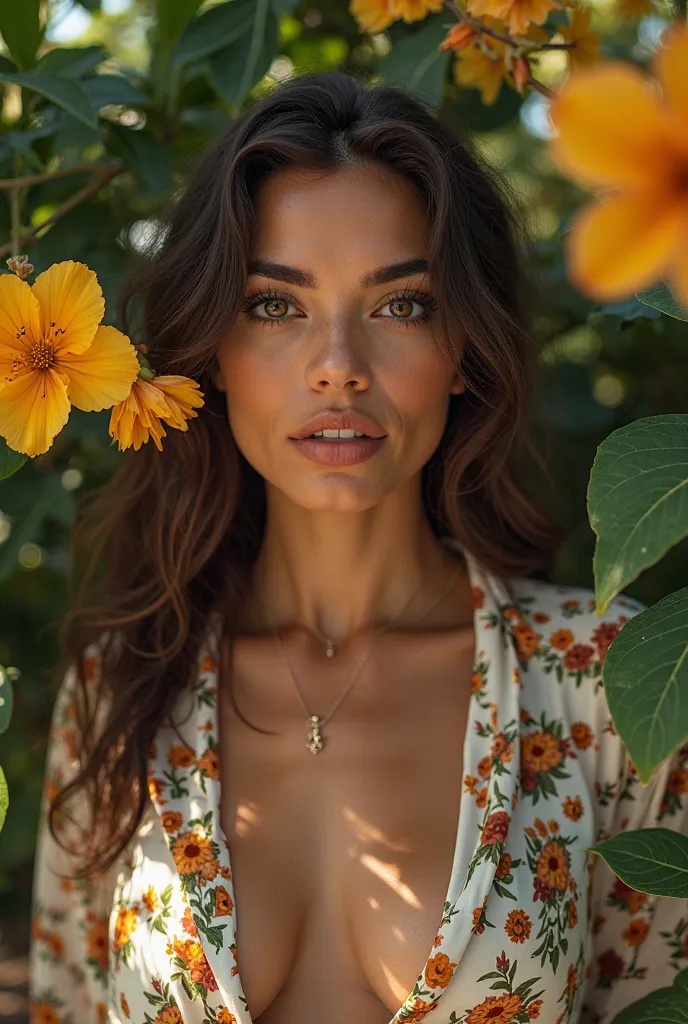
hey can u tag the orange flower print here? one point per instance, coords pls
(573, 914)
(496, 828)
(636, 932)
(496, 1010)
(156, 787)
(571, 982)
(573, 808)
(533, 1009)
(171, 821)
(603, 636)
(469, 782)
(125, 1005)
(223, 902)
(504, 866)
(188, 923)
(125, 924)
(501, 749)
(101, 1013)
(191, 851)
(527, 641)
(181, 756)
(209, 762)
(478, 597)
(208, 663)
(477, 681)
(478, 925)
(541, 617)
(438, 971)
(572, 605)
(516, 677)
(630, 899)
(191, 954)
(225, 1017)
(553, 865)
(561, 639)
(97, 941)
(481, 798)
(678, 781)
(44, 1013)
(169, 1015)
(578, 657)
(418, 1012)
(485, 766)
(582, 735)
(541, 827)
(437, 940)
(209, 870)
(150, 900)
(55, 942)
(553, 826)
(518, 926)
(540, 751)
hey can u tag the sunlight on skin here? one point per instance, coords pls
(398, 934)
(389, 874)
(247, 818)
(398, 990)
(373, 903)
(367, 833)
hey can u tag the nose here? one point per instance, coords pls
(337, 361)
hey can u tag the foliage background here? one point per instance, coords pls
(599, 367)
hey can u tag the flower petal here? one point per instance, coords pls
(19, 321)
(72, 305)
(34, 408)
(621, 141)
(671, 67)
(622, 244)
(182, 397)
(138, 417)
(103, 374)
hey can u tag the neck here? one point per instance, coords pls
(341, 572)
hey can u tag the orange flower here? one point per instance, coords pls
(208, 663)
(496, 828)
(518, 926)
(125, 1005)
(209, 763)
(438, 971)
(97, 942)
(44, 1013)
(518, 14)
(527, 641)
(150, 900)
(181, 756)
(172, 398)
(678, 781)
(372, 15)
(478, 595)
(561, 639)
(481, 798)
(582, 735)
(533, 1009)
(225, 1017)
(482, 70)
(415, 10)
(171, 821)
(636, 932)
(553, 825)
(496, 1010)
(54, 354)
(418, 1011)
(571, 981)
(484, 766)
(635, 144)
(553, 865)
(541, 827)
(587, 48)
(191, 851)
(504, 866)
(169, 1015)
(476, 682)
(223, 902)
(125, 924)
(457, 38)
(573, 808)
(540, 751)
(502, 750)
(573, 914)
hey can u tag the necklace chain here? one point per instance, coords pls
(315, 723)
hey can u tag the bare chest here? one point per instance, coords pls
(341, 860)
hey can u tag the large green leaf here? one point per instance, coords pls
(236, 68)
(645, 677)
(4, 798)
(637, 499)
(416, 64)
(172, 17)
(6, 699)
(663, 1006)
(70, 62)
(653, 860)
(67, 93)
(149, 159)
(103, 90)
(661, 298)
(20, 25)
(10, 461)
(213, 30)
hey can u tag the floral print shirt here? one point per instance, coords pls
(533, 928)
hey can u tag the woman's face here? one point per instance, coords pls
(331, 341)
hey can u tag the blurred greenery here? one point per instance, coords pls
(136, 84)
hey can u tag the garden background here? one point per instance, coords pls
(129, 100)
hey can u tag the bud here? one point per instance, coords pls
(520, 69)
(145, 373)
(458, 38)
(20, 266)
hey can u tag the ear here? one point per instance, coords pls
(217, 378)
(458, 386)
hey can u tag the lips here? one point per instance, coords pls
(339, 420)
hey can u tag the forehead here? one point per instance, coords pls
(362, 216)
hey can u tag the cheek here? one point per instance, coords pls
(255, 394)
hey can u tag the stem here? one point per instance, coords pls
(522, 44)
(16, 222)
(38, 179)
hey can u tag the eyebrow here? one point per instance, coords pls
(307, 279)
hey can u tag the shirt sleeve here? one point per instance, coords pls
(68, 962)
(639, 942)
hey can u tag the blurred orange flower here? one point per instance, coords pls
(587, 48)
(414, 10)
(617, 130)
(138, 418)
(372, 15)
(475, 67)
(517, 14)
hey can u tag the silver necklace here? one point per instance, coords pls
(316, 740)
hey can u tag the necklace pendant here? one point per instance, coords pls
(329, 650)
(315, 739)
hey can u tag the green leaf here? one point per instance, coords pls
(663, 1006)
(10, 461)
(652, 860)
(172, 17)
(637, 499)
(6, 699)
(213, 30)
(103, 90)
(20, 25)
(64, 92)
(149, 159)
(4, 798)
(645, 676)
(415, 63)
(70, 62)
(661, 298)
(236, 68)
(281, 7)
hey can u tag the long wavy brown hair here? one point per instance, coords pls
(173, 535)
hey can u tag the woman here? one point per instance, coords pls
(333, 656)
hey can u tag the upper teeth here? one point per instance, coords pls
(337, 433)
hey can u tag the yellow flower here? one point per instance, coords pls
(54, 354)
(473, 67)
(518, 14)
(615, 131)
(372, 15)
(414, 10)
(169, 398)
(587, 48)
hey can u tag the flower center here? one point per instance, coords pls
(41, 355)
(191, 850)
(553, 863)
